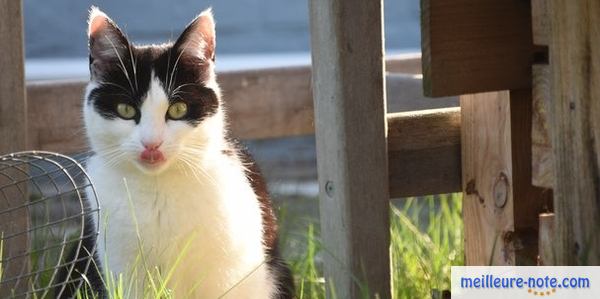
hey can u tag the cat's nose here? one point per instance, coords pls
(151, 154)
(152, 145)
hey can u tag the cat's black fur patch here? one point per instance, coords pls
(277, 265)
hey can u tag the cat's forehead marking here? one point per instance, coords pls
(156, 98)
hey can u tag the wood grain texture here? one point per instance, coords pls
(500, 206)
(349, 96)
(575, 62)
(269, 103)
(474, 46)
(543, 168)
(540, 21)
(13, 104)
(546, 237)
(13, 137)
(424, 152)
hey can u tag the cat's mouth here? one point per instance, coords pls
(152, 158)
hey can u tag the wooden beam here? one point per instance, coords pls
(268, 103)
(13, 137)
(424, 152)
(575, 62)
(474, 46)
(500, 206)
(349, 96)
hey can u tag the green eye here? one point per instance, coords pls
(126, 111)
(177, 110)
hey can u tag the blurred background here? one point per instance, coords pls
(250, 33)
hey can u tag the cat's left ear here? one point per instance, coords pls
(198, 38)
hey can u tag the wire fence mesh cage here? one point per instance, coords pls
(46, 200)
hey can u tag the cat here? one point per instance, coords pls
(177, 194)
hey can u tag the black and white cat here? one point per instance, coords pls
(176, 192)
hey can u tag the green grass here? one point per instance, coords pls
(426, 240)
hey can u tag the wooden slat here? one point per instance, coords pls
(474, 46)
(404, 63)
(540, 22)
(267, 103)
(543, 171)
(349, 95)
(424, 152)
(13, 137)
(500, 206)
(255, 100)
(546, 237)
(575, 61)
(543, 175)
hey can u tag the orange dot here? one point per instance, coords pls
(541, 293)
(529, 291)
(553, 290)
(547, 292)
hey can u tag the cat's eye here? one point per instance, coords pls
(126, 111)
(177, 110)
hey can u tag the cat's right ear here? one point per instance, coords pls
(107, 43)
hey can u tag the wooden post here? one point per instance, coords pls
(13, 137)
(575, 62)
(500, 206)
(13, 107)
(349, 98)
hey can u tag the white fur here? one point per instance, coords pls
(209, 205)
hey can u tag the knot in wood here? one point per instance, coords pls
(329, 189)
(501, 191)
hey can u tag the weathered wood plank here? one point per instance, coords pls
(546, 237)
(268, 103)
(575, 62)
(474, 46)
(543, 171)
(500, 206)
(13, 137)
(349, 96)
(424, 152)
(540, 22)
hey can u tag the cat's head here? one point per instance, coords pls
(152, 106)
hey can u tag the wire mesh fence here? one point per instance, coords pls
(46, 200)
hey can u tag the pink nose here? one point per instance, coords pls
(151, 153)
(152, 145)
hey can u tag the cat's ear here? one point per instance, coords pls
(198, 38)
(107, 43)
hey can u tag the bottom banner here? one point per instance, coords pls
(525, 282)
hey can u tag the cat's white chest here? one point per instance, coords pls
(207, 228)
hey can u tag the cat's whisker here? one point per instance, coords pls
(122, 65)
(175, 67)
(195, 167)
(134, 67)
(177, 90)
